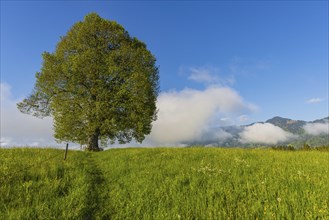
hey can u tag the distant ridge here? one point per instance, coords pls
(295, 127)
(323, 120)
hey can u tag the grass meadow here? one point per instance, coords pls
(164, 183)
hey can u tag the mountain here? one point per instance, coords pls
(323, 120)
(296, 129)
(293, 126)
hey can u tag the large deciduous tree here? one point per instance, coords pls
(99, 84)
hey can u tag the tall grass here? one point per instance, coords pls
(168, 183)
(38, 184)
(216, 184)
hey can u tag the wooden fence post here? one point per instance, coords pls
(67, 147)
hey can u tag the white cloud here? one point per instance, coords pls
(186, 115)
(204, 75)
(317, 128)
(19, 129)
(264, 134)
(5, 93)
(208, 75)
(314, 100)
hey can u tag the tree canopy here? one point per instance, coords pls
(99, 84)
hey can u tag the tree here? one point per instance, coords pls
(99, 84)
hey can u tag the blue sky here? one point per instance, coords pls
(272, 54)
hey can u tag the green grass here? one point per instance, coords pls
(168, 183)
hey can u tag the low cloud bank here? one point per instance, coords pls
(264, 134)
(317, 128)
(187, 115)
(19, 129)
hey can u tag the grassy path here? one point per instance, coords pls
(96, 185)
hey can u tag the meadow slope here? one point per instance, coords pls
(164, 183)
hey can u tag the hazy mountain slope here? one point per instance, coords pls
(295, 127)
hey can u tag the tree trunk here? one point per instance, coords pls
(93, 141)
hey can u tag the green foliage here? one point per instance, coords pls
(99, 83)
(322, 148)
(288, 147)
(171, 183)
(306, 147)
